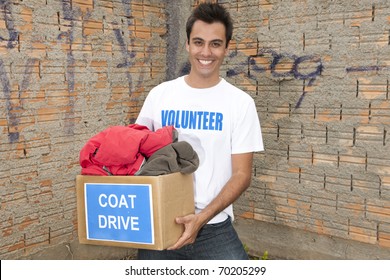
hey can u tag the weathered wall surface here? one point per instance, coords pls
(68, 69)
(318, 71)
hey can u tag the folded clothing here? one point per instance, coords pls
(175, 157)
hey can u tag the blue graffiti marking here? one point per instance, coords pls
(69, 36)
(276, 59)
(126, 54)
(363, 69)
(69, 14)
(13, 117)
(255, 67)
(185, 69)
(13, 34)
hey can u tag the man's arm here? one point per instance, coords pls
(237, 184)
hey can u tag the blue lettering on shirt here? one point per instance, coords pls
(201, 120)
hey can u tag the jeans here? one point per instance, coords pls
(214, 242)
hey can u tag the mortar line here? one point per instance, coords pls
(351, 182)
(24, 243)
(377, 232)
(324, 180)
(384, 136)
(357, 88)
(300, 175)
(338, 159)
(312, 156)
(389, 39)
(369, 111)
(326, 135)
(366, 162)
(288, 153)
(365, 208)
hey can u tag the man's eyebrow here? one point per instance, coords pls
(197, 38)
(213, 41)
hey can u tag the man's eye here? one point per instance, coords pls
(216, 45)
(198, 43)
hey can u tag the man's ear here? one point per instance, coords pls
(227, 49)
(187, 46)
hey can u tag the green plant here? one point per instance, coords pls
(265, 255)
(252, 257)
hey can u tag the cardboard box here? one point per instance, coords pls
(133, 211)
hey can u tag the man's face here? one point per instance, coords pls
(206, 49)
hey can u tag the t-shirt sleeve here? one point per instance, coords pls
(246, 134)
(145, 117)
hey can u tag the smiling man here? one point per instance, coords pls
(207, 48)
(221, 123)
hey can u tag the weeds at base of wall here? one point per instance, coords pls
(254, 257)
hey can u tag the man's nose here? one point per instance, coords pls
(206, 50)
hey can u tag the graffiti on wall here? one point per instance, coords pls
(313, 67)
(249, 67)
(364, 69)
(307, 68)
(12, 40)
(127, 55)
(12, 118)
(277, 65)
(128, 50)
(70, 17)
(12, 110)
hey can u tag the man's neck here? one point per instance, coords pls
(200, 82)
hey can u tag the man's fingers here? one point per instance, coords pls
(184, 219)
(189, 234)
(180, 243)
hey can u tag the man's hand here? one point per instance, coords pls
(192, 225)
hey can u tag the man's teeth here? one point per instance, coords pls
(205, 62)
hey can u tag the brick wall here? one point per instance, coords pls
(68, 69)
(318, 71)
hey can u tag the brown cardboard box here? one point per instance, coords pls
(133, 211)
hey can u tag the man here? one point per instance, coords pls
(221, 123)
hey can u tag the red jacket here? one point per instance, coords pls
(121, 150)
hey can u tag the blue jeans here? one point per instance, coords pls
(214, 242)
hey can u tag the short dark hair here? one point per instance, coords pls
(210, 13)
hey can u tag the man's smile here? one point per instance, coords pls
(205, 62)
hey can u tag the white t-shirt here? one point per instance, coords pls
(217, 122)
